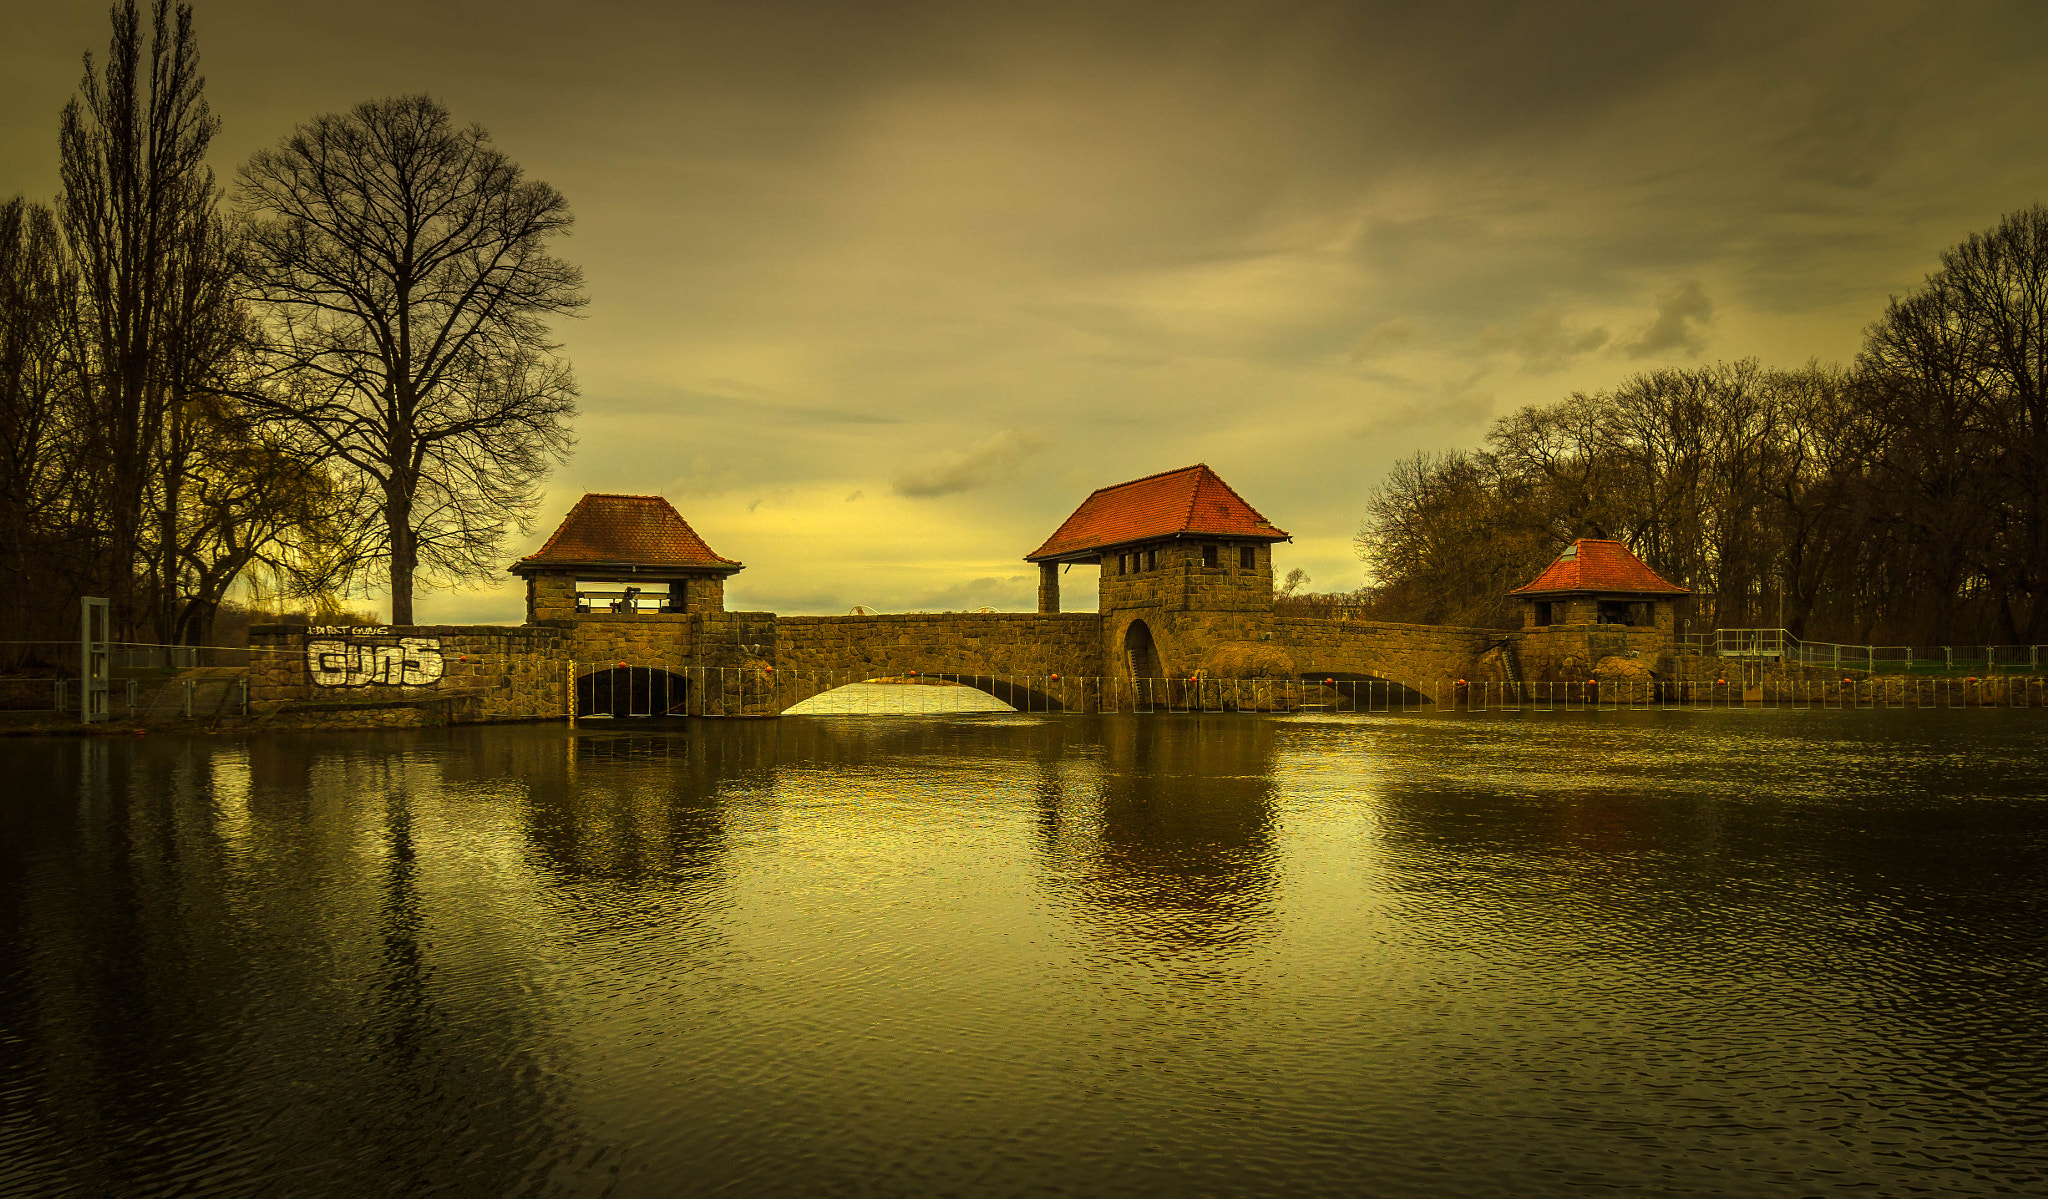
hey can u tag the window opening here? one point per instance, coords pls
(1247, 558)
(1209, 555)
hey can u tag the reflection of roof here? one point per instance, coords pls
(1589, 564)
(1189, 502)
(625, 530)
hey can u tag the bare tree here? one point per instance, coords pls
(136, 191)
(400, 266)
(1961, 368)
(40, 569)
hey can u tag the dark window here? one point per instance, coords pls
(1247, 558)
(1614, 612)
(1208, 555)
(1123, 564)
(1542, 613)
(1151, 559)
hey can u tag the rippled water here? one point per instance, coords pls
(1737, 953)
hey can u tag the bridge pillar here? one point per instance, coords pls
(1048, 587)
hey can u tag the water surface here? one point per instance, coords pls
(1741, 953)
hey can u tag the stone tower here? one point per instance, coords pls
(1187, 568)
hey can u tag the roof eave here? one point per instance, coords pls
(721, 567)
(1667, 593)
(1089, 553)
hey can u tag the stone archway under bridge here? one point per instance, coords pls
(1034, 662)
(627, 691)
(1051, 693)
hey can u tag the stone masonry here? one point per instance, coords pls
(1182, 606)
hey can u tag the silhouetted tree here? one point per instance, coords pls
(400, 265)
(1960, 367)
(137, 195)
(40, 568)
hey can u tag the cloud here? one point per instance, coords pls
(990, 460)
(1383, 339)
(1543, 342)
(1455, 404)
(1681, 316)
(1017, 593)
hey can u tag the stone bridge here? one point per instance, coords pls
(626, 616)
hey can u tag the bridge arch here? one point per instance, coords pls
(1139, 654)
(1023, 693)
(625, 690)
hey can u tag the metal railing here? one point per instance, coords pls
(1873, 692)
(640, 689)
(1779, 645)
(182, 698)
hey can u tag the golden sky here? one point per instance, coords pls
(881, 291)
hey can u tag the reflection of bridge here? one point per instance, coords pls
(1185, 621)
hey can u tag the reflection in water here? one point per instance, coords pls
(1731, 953)
(1166, 864)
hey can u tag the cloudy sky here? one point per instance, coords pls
(881, 291)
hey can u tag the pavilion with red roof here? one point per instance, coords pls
(1597, 581)
(627, 554)
(1158, 522)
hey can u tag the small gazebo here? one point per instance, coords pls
(623, 555)
(1177, 519)
(1599, 582)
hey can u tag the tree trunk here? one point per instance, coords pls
(167, 542)
(398, 523)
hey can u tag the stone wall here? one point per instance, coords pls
(816, 653)
(507, 672)
(1181, 583)
(550, 596)
(1571, 651)
(756, 663)
(1418, 655)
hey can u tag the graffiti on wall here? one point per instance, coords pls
(363, 662)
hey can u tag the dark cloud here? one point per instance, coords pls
(994, 459)
(1681, 318)
(1385, 338)
(1545, 345)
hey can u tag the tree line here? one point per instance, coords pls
(1899, 499)
(338, 373)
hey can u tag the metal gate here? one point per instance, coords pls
(94, 619)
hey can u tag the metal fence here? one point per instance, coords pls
(1778, 645)
(1895, 691)
(62, 656)
(183, 698)
(628, 690)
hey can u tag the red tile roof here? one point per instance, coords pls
(1189, 502)
(1589, 564)
(624, 530)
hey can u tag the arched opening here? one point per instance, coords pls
(632, 691)
(913, 695)
(1141, 653)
